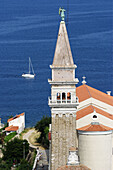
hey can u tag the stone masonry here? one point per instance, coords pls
(63, 101)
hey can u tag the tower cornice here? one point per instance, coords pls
(63, 67)
(63, 82)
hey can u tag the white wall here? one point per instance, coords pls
(20, 122)
(95, 151)
(89, 118)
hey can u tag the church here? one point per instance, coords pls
(82, 117)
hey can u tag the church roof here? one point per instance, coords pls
(90, 109)
(84, 92)
(95, 127)
(63, 55)
(73, 167)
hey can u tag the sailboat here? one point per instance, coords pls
(31, 73)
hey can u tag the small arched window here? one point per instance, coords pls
(63, 96)
(94, 116)
(68, 96)
(58, 96)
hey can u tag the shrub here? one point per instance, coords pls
(10, 136)
(24, 165)
(43, 127)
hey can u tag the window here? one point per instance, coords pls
(63, 96)
(68, 96)
(94, 116)
(58, 96)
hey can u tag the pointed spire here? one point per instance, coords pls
(63, 56)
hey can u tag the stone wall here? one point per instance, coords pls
(63, 137)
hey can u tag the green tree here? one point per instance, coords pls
(5, 165)
(2, 136)
(15, 149)
(43, 127)
(24, 165)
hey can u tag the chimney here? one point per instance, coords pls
(108, 92)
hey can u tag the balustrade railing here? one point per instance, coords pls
(62, 101)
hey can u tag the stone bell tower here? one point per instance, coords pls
(63, 100)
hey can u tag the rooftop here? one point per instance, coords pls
(84, 92)
(90, 109)
(95, 127)
(11, 128)
(17, 116)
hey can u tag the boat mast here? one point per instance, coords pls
(29, 66)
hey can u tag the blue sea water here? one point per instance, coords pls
(29, 28)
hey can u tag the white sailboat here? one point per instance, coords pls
(31, 73)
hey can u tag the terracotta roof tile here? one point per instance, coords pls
(72, 149)
(95, 127)
(106, 114)
(73, 167)
(22, 114)
(83, 112)
(11, 128)
(17, 116)
(90, 109)
(84, 92)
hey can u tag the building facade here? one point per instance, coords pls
(85, 121)
(16, 124)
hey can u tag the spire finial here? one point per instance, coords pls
(84, 81)
(61, 13)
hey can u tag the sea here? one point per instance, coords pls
(29, 28)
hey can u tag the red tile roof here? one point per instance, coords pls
(90, 109)
(95, 127)
(11, 128)
(84, 92)
(72, 149)
(73, 167)
(83, 112)
(17, 116)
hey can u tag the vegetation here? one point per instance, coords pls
(2, 136)
(15, 150)
(24, 165)
(10, 136)
(43, 127)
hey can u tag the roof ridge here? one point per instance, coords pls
(89, 126)
(105, 127)
(88, 90)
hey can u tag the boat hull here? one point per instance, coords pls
(28, 75)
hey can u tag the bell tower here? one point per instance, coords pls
(63, 101)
